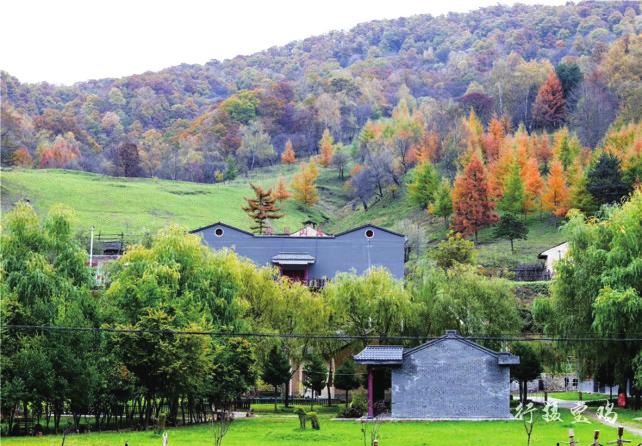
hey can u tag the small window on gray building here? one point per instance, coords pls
(218, 232)
(369, 233)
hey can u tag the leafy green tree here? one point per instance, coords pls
(513, 201)
(512, 228)
(604, 180)
(460, 298)
(596, 288)
(231, 169)
(315, 375)
(346, 378)
(529, 368)
(234, 371)
(454, 250)
(442, 205)
(276, 369)
(424, 182)
(373, 304)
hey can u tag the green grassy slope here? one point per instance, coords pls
(134, 205)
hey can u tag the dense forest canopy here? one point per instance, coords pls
(189, 121)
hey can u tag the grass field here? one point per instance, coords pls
(283, 429)
(133, 205)
(573, 396)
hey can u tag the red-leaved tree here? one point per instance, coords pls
(472, 206)
(549, 109)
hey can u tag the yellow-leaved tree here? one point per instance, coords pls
(304, 184)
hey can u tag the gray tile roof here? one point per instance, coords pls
(380, 354)
(291, 258)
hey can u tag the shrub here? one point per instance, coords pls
(357, 407)
(314, 420)
(302, 418)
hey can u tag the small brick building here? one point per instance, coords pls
(447, 378)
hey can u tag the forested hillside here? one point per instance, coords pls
(192, 121)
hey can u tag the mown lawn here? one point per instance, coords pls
(573, 396)
(282, 429)
(133, 205)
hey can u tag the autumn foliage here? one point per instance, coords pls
(549, 109)
(261, 208)
(472, 205)
(288, 156)
(281, 192)
(325, 149)
(304, 184)
(556, 197)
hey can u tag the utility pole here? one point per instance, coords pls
(91, 247)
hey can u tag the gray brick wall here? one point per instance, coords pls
(450, 379)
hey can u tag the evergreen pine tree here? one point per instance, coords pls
(345, 378)
(231, 169)
(315, 375)
(604, 180)
(443, 203)
(512, 228)
(276, 370)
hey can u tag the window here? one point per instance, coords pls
(369, 233)
(575, 382)
(218, 232)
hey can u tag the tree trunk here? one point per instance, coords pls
(276, 394)
(525, 391)
(286, 394)
(347, 397)
(512, 251)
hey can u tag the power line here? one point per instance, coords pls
(343, 337)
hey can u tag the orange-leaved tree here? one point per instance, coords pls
(288, 156)
(549, 109)
(304, 184)
(281, 192)
(473, 209)
(533, 184)
(556, 196)
(261, 208)
(326, 149)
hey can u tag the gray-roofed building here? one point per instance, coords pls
(309, 258)
(450, 377)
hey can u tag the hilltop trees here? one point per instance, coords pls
(473, 208)
(304, 184)
(262, 208)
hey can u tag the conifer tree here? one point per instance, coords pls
(231, 169)
(556, 197)
(304, 184)
(261, 208)
(346, 379)
(315, 375)
(493, 139)
(472, 206)
(288, 156)
(281, 192)
(533, 184)
(514, 198)
(442, 205)
(326, 149)
(423, 184)
(276, 370)
(604, 180)
(549, 109)
(512, 228)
